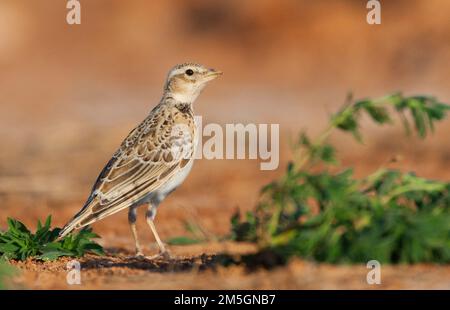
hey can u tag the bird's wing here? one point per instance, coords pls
(151, 154)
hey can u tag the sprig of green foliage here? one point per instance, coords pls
(18, 242)
(6, 271)
(197, 234)
(389, 216)
(422, 111)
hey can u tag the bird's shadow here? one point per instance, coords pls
(115, 258)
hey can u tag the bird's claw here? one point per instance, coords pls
(164, 255)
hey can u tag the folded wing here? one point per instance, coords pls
(151, 154)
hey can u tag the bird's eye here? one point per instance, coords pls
(189, 72)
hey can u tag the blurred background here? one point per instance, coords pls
(70, 94)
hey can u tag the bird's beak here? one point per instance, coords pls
(213, 73)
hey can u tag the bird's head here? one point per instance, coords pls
(186, 81)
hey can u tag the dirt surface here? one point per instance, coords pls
(120, 270)
(69, 95)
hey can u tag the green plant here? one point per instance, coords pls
(19, 243)
(196, 232)
(389, 216)
(6, 271)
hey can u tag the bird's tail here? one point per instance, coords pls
(80, 220)
(75, 223)
(92, 211)
(66, 230)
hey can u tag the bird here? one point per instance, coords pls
(153, 160)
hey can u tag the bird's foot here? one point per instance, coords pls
(139, 254)
(161, 255)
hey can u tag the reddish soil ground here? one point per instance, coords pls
(68, 96)
(119, 270)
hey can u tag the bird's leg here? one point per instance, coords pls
(150, 216)
(132, 222)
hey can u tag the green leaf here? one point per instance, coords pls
(8, 248)
(183, 241)
(19, 243)
(53, 255)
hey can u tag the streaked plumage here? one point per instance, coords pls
(154, 159)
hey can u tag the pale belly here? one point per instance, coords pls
(158, 195)
(176, 180)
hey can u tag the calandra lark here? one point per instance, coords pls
(153, 160)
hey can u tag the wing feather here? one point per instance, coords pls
(150, 155)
